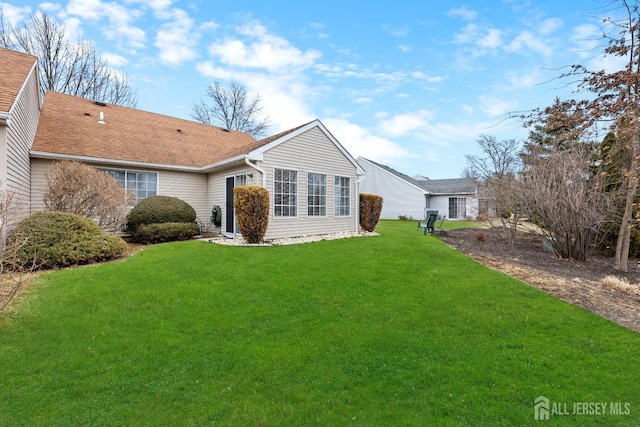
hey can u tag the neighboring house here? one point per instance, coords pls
(412, 196)
(312, 180)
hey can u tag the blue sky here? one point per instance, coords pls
(410, 84)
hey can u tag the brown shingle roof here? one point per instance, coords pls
(14, 69)
(69, 126)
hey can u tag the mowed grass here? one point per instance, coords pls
(397, 329)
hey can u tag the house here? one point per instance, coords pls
(403, 195)
(312, 180)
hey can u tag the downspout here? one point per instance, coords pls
(264, 175)
(358, 202)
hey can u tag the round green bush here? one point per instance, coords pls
(158, 210)
(165, 232)
(61, 239)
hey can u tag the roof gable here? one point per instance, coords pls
(432, 186)
(275, 140)
(15, 68)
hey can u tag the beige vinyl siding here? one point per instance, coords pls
(19, 137)
(217, 188)
(190, 187)
(38, 168)
(310, 151)
(187, 186)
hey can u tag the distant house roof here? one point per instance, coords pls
(434, 186)
(71, 126)
(20, 65)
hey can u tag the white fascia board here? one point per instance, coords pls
(103, 161)
(223, 163)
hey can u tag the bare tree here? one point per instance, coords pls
(72, 68)
(232, 109)
(567, 199)
(78, 188)
(14, 273)
(497, 174)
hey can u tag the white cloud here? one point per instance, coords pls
(401, 31)
(403, 124)
(464, 12)
(527, 41)
(362, 142)
(114, 60)
(491, 40)
(494, 106)
(15, 14)
(283, 99)
(120, 20)
(404, 48)
(550, 25)
(176, 40)
(261, 50)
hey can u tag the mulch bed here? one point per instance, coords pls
(579, 283)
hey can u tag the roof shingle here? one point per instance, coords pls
(70, 126)
(15, 69)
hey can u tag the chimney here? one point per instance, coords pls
(101, 121)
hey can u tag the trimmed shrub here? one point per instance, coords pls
(61, 239)
(165, 232)
(158, 210)
(251, 204)
(370, 209)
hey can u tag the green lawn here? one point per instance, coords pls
(397, 329)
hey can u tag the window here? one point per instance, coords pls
(317, 195)
(343, 196)
(285, 193)
(142, 184)
(457, 207)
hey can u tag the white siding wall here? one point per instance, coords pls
(190, 187)
(19, 137)
(441, 204)
(399, 197)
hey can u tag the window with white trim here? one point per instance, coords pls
(342, 196)
(142, 184)
(285, 193)
(457, 207)
(316, 194)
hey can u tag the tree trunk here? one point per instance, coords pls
(624, 236)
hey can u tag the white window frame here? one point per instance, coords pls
(278, 208)
(459, 206)
(126, 183)
(316, 191)
(339, 206)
